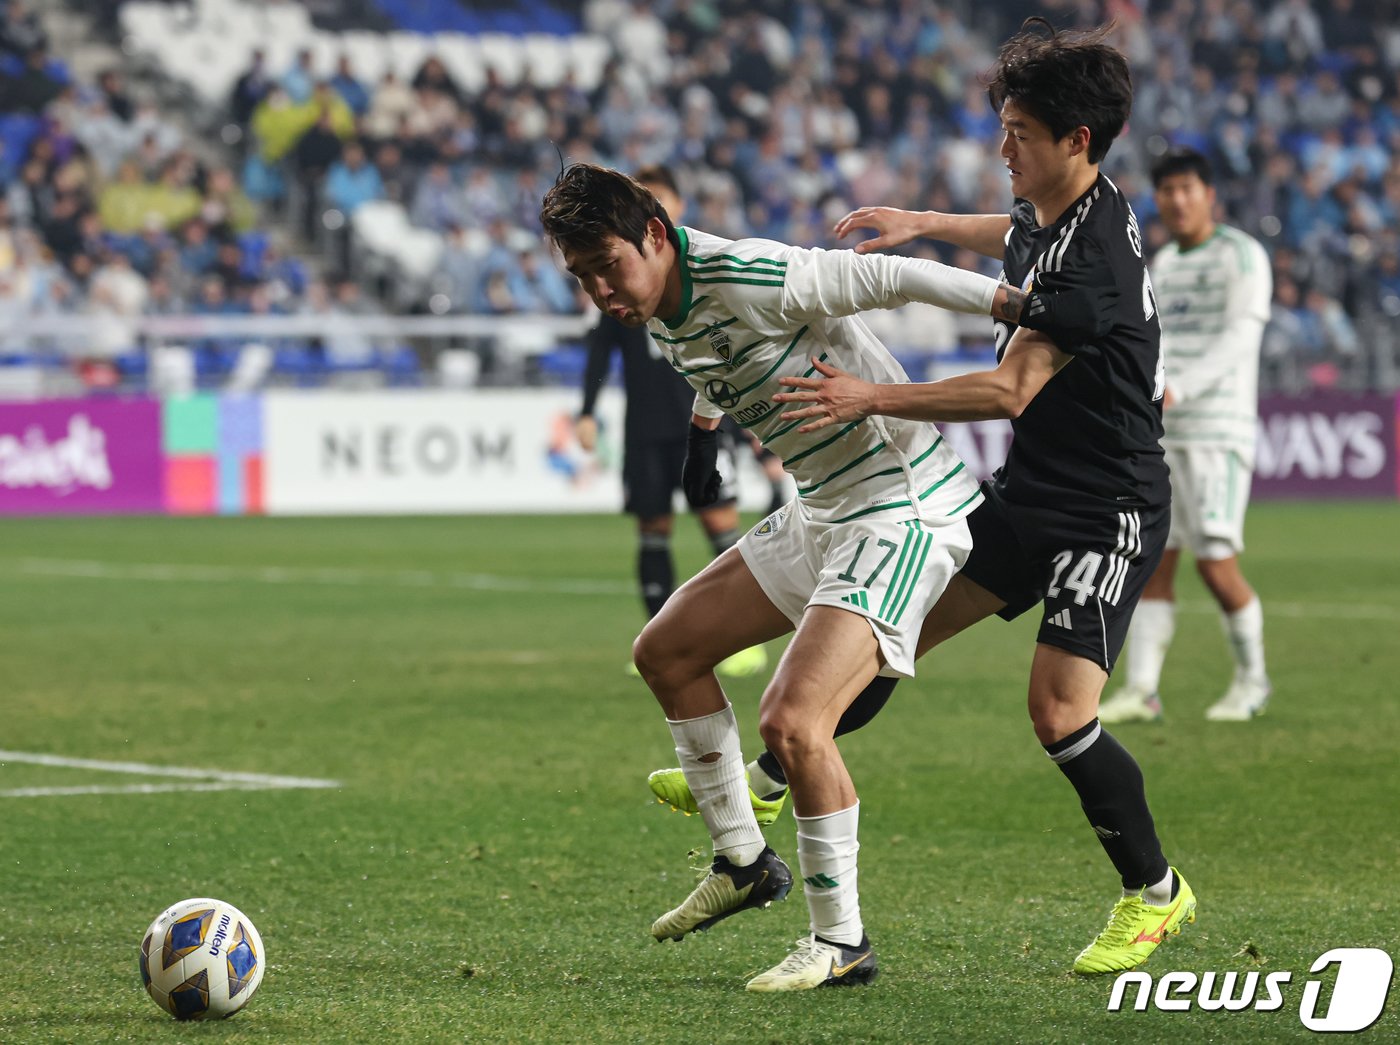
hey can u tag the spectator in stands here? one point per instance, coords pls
(461, 275)
(300, 80)
(106, 138)
(174, 198)
(113, 87)
(118, 294)
(352, 180)
(33, 87)
(395, 175)
(345, 84)
(21, 32)
(226, 210)
(437, 202)
(391, 103)
(250, 89)
(540, 287)
(124, 203)
(433, 75)
(482, 198)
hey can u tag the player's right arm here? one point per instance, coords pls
(983, 233)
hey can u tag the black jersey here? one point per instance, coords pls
(659, 401)
(1091, 439)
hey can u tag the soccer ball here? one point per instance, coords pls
(201, 959)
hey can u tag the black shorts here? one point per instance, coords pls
(1089, 569)
(651, 475)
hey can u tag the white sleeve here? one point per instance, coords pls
(704, 408)
(830, 283)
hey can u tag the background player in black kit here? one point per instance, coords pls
(659, 406)
(1077, 518)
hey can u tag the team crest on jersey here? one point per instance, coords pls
(772, 524)
(719, 341)
(1028, 282)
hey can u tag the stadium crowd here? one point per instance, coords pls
(778, 119)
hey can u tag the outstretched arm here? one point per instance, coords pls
(983, 233)
(1031, 359)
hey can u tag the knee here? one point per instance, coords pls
(649, 652)
(1054, 720)
(664, 659)
(787, 735)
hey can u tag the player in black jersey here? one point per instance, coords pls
(1077, 518)
(657, 421)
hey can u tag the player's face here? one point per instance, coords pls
(623, 282)
(1040, 165)
(1186, 205)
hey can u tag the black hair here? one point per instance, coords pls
(588, 203)
(1065, 80)
(1182, 161)
(658, 174)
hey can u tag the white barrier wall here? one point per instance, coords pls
(434, 452)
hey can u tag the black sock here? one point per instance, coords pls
(655, 571)
(866, 706)
(1112, 796)
(724, 540)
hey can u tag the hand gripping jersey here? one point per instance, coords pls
(754, 310)
(1215, 303)
(1091, 439)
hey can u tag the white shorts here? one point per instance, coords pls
(890, 572)
(1210, 492)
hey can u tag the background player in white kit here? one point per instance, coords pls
(853, 563)
(1213, 285)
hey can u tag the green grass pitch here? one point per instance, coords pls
(489, 865)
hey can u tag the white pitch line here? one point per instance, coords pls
(89, 569)
(166, 572)
(136, 789)
(201, 779)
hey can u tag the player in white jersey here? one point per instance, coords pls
(1213, 285)
(853, 563)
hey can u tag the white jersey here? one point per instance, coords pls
(1214, 302)
(753, 311)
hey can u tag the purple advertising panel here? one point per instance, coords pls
(1326, 445)
(81, 456)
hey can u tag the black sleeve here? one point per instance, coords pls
(1083, 269)
(599, 344)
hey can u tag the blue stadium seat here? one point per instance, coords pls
(400, 364)
(561, 366)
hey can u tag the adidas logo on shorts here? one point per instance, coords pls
(1061, 619)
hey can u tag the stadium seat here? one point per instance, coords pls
(461, 54)
(505, 55)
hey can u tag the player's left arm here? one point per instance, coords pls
(823, 284)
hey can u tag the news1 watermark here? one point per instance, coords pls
(1359, 991)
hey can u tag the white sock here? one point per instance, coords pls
(826, 852)
(1244, 629)
(1158, 894)
(762, 784)
(1154, 624)
(719, 786)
